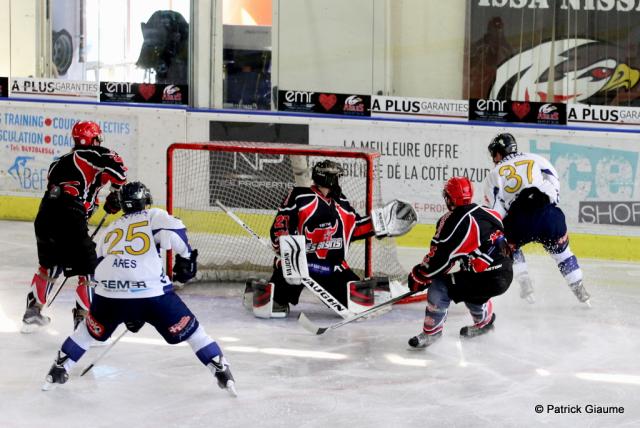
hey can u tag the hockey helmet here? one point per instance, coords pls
(134, 197)
(327, 173)
(86, 133)
(504, 144)
(458, 191)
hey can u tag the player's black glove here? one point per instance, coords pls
(415, 283)
(185, 269)
(134, 326)
(112, 203)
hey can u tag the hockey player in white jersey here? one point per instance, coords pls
(132, 288)
(524, 188)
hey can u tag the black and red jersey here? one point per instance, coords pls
(328, 223)
(470, 234)
(82, 172)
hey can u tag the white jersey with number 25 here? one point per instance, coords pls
(130, 265)
(516, 172)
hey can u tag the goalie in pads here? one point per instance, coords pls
(312, 230)
(132, 288)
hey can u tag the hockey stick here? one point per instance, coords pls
(311, 327)
(57, 291)
(310, 283)
(104, 352)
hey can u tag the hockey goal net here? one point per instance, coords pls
(252, 180)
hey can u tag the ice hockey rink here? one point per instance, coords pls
(555, 352)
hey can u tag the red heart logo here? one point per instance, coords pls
(328, 101)
(146, 90)
(521, 109)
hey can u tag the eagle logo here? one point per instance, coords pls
(562, 71)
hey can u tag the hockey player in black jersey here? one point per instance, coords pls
(323, 215)
(468, 262)
(64, 245)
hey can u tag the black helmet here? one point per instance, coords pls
(326, 174)
(134, 196)
(505, 144)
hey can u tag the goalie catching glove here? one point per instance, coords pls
(185, 269)
(394, 219)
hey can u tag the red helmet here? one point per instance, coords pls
(86, 133)
(458, 191)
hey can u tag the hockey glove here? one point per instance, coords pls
(134, 326)
(185, 269)
(112, 203)
(416, 284)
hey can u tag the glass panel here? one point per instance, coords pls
(120, 40)
(247, 54)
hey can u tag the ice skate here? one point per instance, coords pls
(423, 340)
(580, 292)
(32, 319)
(57, 374)
(526, 288)
(220, 369)
(476, 330)
(280, 311)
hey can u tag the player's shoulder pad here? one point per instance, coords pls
(298, 193)
(160, 219)
(495, 215)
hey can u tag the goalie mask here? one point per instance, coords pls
(86, 133)
(134, 196)
(326, 174)
(458, 191)
(503, 144)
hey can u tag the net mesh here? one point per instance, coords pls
(252, 180)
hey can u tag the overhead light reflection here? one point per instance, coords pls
(7, 325)
(543, 372)
(610, 378)
(402, 361)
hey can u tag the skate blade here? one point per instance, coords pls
(30, 328)
(416, 349)
(48, 386)
(231, 388)
(588, 303)
(530, 299)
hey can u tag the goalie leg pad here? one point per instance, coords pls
(263, 303)
(360, 295)
(381, 289)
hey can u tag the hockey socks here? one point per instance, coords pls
(43, 281)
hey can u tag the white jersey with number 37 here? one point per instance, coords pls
(516, 172)
(130, 265)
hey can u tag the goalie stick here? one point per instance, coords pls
(104, 352)
(57, 291)
(311, 327)
(310, 283)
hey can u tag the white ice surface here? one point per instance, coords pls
(555, 352)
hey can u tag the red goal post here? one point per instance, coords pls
(252, 179)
